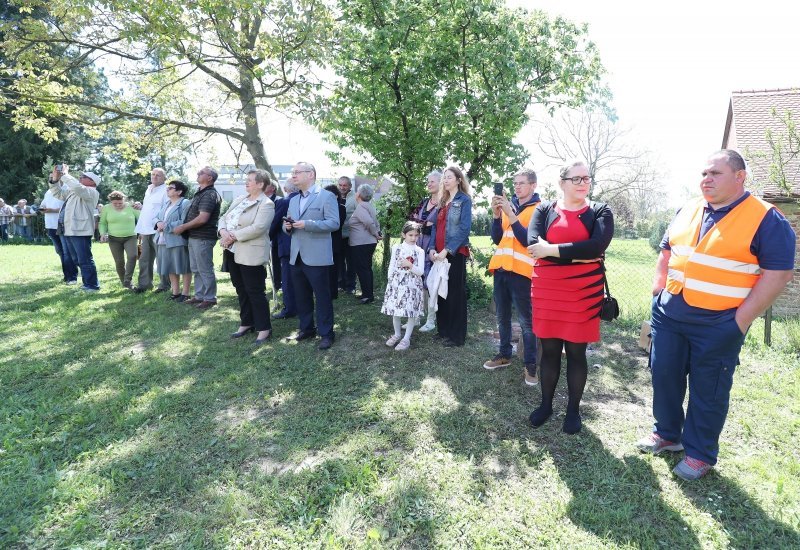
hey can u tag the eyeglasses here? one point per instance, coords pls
(295, 172)
(170, 187)
(577, 180)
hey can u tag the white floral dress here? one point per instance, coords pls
(403, 296)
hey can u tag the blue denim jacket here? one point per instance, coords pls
(459, 223)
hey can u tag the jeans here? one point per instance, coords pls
(23, 231)
(80, 249)
(68, 267)
(513, 288)
(201, 261)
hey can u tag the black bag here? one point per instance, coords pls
(227, 258)
(610, 308)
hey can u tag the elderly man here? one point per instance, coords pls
(76, 219)
(511, 267)
(347, 270)
(6, 216)
(22, 220)
(201, 228)
(724, 259)
(50, 207)
(154, 198)
(313, 215)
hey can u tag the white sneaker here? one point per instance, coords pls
(428, 326)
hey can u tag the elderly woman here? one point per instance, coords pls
(364, 236)
(172, 251)
(244, 237)
(117, 227)
(452, 222)
(421, 215)
(567, 239)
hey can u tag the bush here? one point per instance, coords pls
(657, 233)
(479, 290)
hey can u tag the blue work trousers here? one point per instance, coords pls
(706, 356)
(513, 288)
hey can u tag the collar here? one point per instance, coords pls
(311, 190)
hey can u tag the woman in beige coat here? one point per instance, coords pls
(243, 236)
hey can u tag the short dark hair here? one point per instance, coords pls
(335, 190)
(179, 186)
(411, 226)
(732, 159)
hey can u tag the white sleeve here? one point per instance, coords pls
(419, 262)
(392, 262)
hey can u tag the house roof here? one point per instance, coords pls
(750, 114)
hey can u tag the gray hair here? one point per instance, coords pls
(562, 173)
(732, 159)
(160, 171)
(289, 187)
(213, 173)
(435, 174)
(366, 192)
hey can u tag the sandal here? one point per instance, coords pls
(403, 345)
(393, 340)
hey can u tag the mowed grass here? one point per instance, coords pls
(130, 421)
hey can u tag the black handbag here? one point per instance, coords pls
(610, 308)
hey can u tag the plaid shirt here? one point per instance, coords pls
(6, 215)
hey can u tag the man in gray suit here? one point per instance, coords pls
(313, 214)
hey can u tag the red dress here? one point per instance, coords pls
(566, 299)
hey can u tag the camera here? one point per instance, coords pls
(498, 189)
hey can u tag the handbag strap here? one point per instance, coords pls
(605, 279)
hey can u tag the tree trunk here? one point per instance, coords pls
(252, 133)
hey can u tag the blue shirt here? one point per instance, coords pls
(773, 245)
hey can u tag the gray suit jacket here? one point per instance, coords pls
(321, 215)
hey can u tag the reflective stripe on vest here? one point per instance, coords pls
(510, 255)
(719, 271)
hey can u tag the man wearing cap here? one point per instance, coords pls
(154, 198)
(76, 219)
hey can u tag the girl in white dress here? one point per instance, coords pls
(404, 291)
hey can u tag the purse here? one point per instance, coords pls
(610, 308)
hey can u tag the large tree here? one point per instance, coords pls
(427, 81)
(203, 66)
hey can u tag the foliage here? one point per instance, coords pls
(424, 82)
(202, 67)
(656, 234)
(782, 159)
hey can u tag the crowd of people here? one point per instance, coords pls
(724, 259)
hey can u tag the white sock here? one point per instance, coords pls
(396, 321)
(412, 321)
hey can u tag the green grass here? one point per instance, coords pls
(129, 421)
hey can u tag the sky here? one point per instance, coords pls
(671, 67)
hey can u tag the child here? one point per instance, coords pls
(403, 296)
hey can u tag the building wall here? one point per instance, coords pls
(788, 303)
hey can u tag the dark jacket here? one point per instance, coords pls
(275, 232)
(598, 220)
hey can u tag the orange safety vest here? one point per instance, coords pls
(510, 255)
(718, 272)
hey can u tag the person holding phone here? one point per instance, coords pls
(511, 268)
(422, 215)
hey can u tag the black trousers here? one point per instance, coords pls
(347, 273)
(451, 318)
(362, 260)
(250, 284)
(313, 281)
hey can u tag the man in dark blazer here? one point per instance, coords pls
(313, 214)
(284, 243)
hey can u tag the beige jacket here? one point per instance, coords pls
(80, 202)
(252, 246)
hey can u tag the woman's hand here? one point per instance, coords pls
(543, 249)
(439, 255)
(160, 226)
(103, 238)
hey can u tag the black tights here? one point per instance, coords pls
(550, 370)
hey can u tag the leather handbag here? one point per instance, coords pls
(610, 308)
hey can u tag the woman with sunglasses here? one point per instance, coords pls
(567, 239)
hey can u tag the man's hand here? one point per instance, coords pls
(178, 230)
(299, 225)
(497, 207)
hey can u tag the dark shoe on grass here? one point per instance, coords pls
(540, 415)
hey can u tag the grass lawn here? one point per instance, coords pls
(130, 421)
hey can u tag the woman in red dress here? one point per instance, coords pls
(567, 239)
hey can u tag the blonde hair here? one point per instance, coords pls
(116, 196)
(463, 185)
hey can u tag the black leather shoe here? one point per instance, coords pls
(305, 335)
(242, 333)
(367, 300)
(325, 343)
(137, 290)
(262, 341)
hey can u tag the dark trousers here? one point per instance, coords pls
(311, 281)
(68, 267)
(451, 318)
(80, 249)
(277, 267)
(338, 258)
(362, 261)
(347, 272)
(289, 307)
(4, 231)
(513, 288)
(706, 355)
(251, 288)
(121, 247)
